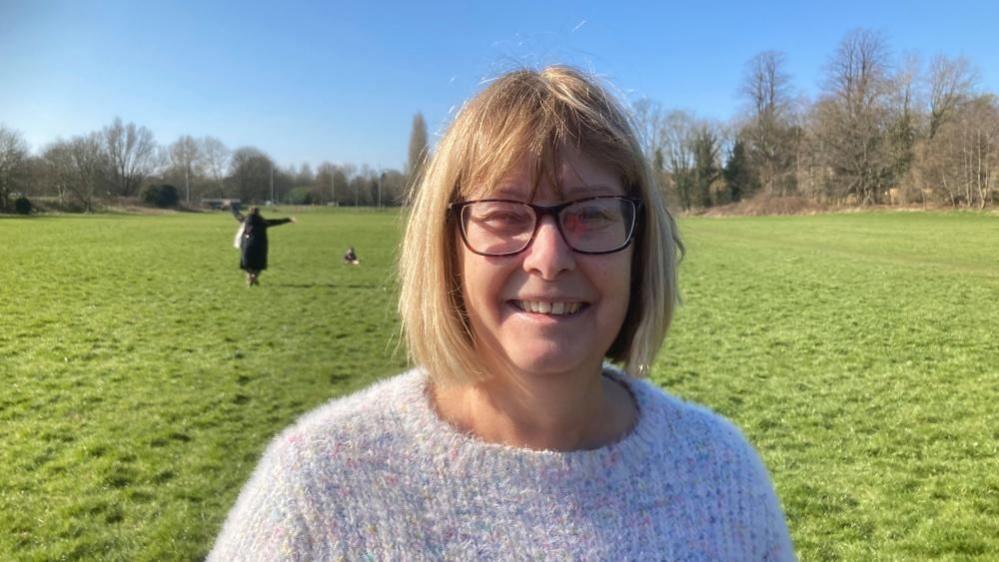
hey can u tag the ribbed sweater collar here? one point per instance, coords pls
(449, 445)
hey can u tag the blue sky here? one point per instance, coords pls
(315, 81)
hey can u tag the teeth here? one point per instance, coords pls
(552, 308)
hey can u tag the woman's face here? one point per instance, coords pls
(585, 296)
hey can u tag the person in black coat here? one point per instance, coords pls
(253, 243)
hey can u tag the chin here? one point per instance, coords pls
(550, 362)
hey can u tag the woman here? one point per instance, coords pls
(253, 245)
(538, 247)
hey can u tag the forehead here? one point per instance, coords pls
(570, 174)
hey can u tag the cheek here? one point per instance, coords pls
(481, 285)
(615, 285)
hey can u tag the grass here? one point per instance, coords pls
(142, 379)
(859, 352)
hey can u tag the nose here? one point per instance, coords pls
(548, 254)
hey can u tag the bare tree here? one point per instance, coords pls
(13, 161)
(678, 132)
(648, 119)
(852, 117)
(215, 156)
(903, 121)
(185, 157)
(59, 168)
(951, 82)
(959, 164)
(131, 154)
(769, 133)
(87, 162)
(418, 149)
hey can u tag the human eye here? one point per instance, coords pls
(594, 214)
(501, 216)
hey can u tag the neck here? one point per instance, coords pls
(561, 413)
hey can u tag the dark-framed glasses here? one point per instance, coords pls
(504, 227)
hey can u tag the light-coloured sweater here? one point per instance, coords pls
(379, 476)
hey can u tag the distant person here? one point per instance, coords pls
(350, 258)
(538, 250)
(253, 242)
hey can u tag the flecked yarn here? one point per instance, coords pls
(378, 476)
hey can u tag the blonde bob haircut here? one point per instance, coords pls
(531, 116)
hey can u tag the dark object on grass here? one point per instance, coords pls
(161, 195)
(22, 206)
(350, 258)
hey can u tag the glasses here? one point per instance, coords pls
(503, 227)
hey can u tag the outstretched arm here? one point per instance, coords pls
(276, 222)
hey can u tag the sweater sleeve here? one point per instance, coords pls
(267, 522)
(276, 222)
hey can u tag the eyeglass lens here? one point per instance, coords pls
(507, 227)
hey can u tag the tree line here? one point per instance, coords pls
(123, 160)
(882, 130)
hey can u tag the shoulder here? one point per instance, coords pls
(700, 435)
(372, 414)
(279, 512)
(348, 436)
(710, 459)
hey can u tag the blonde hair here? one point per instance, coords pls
(528, 114)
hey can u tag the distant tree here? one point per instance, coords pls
(161, 195)
(58, 169)
(13, 164)
(301, 196)
(341, 178)
(704, 146)
(215, 156)
(130, 152)
(677, 136)
(648, 117)
(361, 187)
(418, 149)
(959, 165)
(185, 157)
(951, 82)
(393, 188)
(768, 135)
(22, 205)
(902, 120)
(250, 174)
(737, 173)
(304, 177)
(853, 116)
(88, 162)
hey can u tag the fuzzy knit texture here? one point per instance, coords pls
(379, 476)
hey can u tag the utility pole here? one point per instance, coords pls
(333, 186)
(272, 184)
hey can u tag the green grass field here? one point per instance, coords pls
(142, 379)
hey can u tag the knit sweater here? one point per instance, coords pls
(379, 476)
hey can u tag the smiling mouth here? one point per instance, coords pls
(550, 308)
